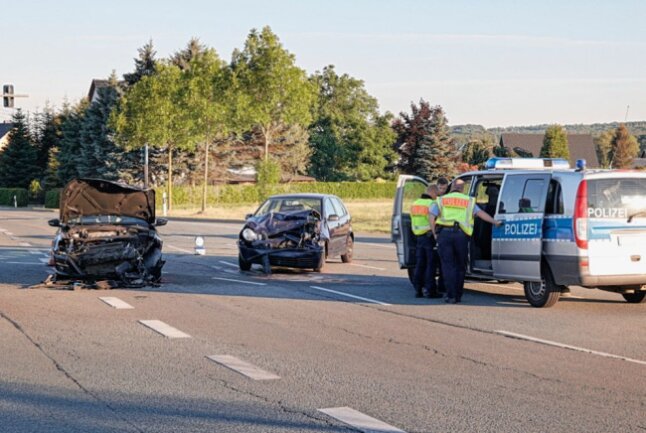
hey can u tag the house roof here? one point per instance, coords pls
(5, 128)
(581, 146)
(96, 85)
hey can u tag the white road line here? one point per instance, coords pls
(349, 295)
(242, 367)
(117, 303)
(164, 329)
(230, 271)
(24, 244)
(183, 250)
(567, 346)
(43, 260)
(375, 245)
(367, 266)
(224, 262)
(240, 281)
(24, 263)
(34, 251)
(358, 420)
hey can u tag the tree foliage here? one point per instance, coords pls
(477, 151)
(624, 148)
(18, 159)
(423, 142)
(555, 143)
(145, 64)
(604, 147)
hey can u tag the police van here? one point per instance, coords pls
(561, 227)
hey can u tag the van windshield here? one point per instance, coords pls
(618, 198)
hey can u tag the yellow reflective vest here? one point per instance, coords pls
(419, 214)
(458, 208)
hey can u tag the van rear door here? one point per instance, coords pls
(517, 244)
(616, 225)
(409, 189)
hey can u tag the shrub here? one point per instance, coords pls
(52, 198)
(7, 194)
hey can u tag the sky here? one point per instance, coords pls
(492, 63)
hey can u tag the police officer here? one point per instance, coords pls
(425, 265)
(452, 223)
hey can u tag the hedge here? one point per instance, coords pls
(52, 198)
(248, 194)
(7, 194)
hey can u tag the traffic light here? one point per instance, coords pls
(7, 95)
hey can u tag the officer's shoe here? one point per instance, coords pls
(449, 300)
(418, 293)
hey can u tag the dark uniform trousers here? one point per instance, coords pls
(452, 245)
(426, 264)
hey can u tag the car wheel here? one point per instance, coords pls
(349, 247)
(544, 293)
(320, 264)
(634, 298)
(243, 264)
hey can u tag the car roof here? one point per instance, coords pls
(303, 195)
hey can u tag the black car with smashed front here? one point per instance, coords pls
(296, 231)
(107, 234)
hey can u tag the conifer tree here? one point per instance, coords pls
(145, 64)
(18, 160)
(624, 148)
(69, 156)
(555, 144)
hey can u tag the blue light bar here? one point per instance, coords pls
(499, 163)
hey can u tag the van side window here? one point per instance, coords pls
(554, 203)
(521, 195)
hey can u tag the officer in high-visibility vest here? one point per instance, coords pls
(452, 219)
(425, 265)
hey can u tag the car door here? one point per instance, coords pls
(334, 227)
(517, 243)
(409, 189)
(344, 223)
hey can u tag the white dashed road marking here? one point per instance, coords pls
(349, 295)
(117, 303)
(243, 367)
(43, 260)
(567, 346)
(227, 263)
(240, 281)
(24, 263)
(358, 420)
(164, 329)
(367, 266)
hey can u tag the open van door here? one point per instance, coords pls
(409, 189)
(517, 244)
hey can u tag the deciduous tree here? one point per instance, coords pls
(624, 148)
(555, 144)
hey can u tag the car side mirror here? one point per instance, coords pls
(333, 218)
(54, 223)
(161, 222)
(249, 215)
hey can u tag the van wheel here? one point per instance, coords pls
(349, 246)
(544, 293)
(634, 298)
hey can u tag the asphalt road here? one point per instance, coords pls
(350, 337)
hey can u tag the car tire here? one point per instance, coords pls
(634, 298)
(320, 264)
(243, 264)
(349, 248)
(544, 293)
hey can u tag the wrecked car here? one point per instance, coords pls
(106, 233)
(296, 231)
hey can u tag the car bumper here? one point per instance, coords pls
(290, 258)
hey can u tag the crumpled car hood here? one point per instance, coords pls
(89, 197)
(275, 224)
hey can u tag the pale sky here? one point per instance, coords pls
(494, 63)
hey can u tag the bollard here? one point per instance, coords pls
(164, 203)
(15, 201)
(199, 246)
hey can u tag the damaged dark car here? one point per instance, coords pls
(107, 235)
(296, 231)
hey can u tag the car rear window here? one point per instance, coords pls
(616, 197)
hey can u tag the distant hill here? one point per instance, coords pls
(462, 133)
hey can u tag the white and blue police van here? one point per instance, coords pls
(562, 227)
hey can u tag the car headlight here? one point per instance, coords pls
(249, 235)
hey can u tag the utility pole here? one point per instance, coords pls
(626, 117)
